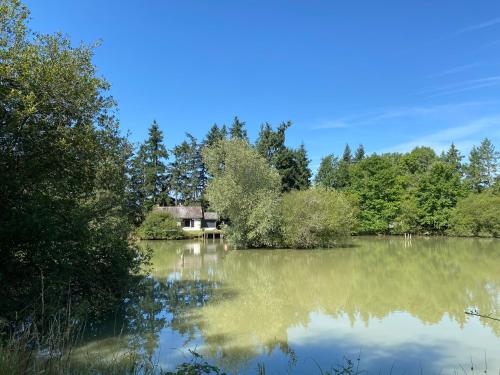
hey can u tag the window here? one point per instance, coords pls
(187, 223)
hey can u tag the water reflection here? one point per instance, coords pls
(401, 303)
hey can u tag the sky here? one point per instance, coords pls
(391, 75)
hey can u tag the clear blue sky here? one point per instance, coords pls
(388, 74)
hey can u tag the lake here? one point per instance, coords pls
(397, 305)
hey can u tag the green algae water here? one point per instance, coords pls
(397, 305)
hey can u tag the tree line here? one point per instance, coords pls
(417, 192)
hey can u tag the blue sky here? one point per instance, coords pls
(388, 74)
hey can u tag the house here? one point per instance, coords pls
(192, 217)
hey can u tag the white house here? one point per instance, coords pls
(192, 217)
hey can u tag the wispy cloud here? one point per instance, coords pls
(455, 70)
(374, 117)
(452, 35)
(457, 87)
(479, 26)
(329, 124)
(462, 136)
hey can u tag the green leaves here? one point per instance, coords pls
(291, 164)
(159, 225)
(245, 190)
(477, 215)
(62, 166)
(316, 218)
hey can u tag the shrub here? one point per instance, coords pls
(159, 225)
(316, 218)
(477, 215)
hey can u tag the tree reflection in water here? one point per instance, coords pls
(243, 304)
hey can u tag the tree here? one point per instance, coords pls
(149, 170)
(344, 178)
(292, 165)
(159, 225)
(477, 215)
(214, 135)
(436, 194)
(454, 158)
(237, 130)
(62, 166)
(302, 172)
(328, 172)
(245, 190)
(271, 143)
(187, 172)
(378, 188)
(359, 154)
(316, 218)
(418, 160)
(482, 168)
(347, 155)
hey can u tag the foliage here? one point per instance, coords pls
(187, 172)
(327, 175)
(359, 154)
(436, 194)
(245, 189)
(159, 225)
(63, 222)
(483, 165)
(376, 183)
(148, 179)
(291, 164)
(238, 130)
(315, 218)
(454, 157)
(418, 160)
(477, 215)
(197, 366)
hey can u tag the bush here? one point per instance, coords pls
(159, 225)
(316, 218)
(477, 215)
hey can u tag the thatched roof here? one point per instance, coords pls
(211, 216)
(183, 212)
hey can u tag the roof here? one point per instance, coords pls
(184, 212)
(211, 216)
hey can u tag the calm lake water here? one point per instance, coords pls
(398, 305)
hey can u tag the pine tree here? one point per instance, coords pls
(148, 171)
(179, 172)
(453, 157)
(303, 172)
(214, 135)
(489, 158)
(344, 180)
(347, 155)
(292, 165)
(359, 154)
(482, 168)
(328, 172)
(270, 143)
(187, 173)
(237, 130)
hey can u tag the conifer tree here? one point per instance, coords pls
(359, 154)
(148, 172)
(238, 130)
